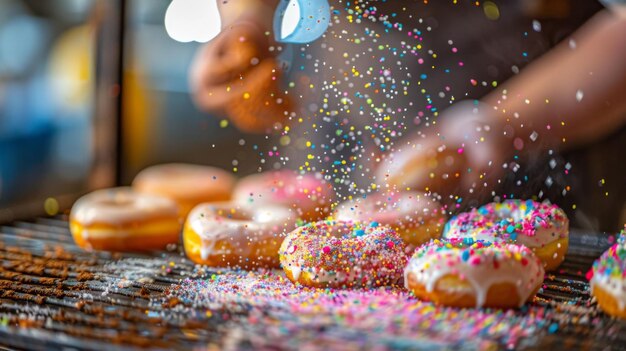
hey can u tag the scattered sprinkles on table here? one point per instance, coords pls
(275, 312)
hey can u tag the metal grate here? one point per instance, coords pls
(53, 295)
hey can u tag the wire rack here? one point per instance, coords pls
(53, 295)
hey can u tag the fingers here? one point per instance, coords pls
(428, 165)
(221, 63)
(237, 75)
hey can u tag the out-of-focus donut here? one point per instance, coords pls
(307, 194)
(187, 184)
(415, 216)
(121, 219)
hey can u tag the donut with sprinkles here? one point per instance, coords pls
(468, 273)
(542, 227)
(343, 254)
(608, 280)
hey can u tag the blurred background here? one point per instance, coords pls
(47, 96)
(56, 58)
(93, 91)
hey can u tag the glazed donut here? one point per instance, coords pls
(415, 216)
(308, 195)
(468, 273)
(234, 235)
(542, 227)
(343, 254)
(121, 219)
(608, 280)
(188, 185)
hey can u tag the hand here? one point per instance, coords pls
(461, 156)
(236, 74)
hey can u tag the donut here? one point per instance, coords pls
(415, 216)
(187, 184)
(438, 167)
(121, 219)
(307, 194)
(468, 273)
(608, 280)
(542, 227)
(343, 254)
(227, 234)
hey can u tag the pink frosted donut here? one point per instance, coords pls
(542, 227)
(343, 254)
(415, 216)
(308, 194)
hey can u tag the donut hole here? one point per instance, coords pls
(237, 215)
(118, 201)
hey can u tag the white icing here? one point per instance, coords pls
(295, 272)
(615, 286)
(428, 269)
(212, 224)
(543, 235)
(120, 206)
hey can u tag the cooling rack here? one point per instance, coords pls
(53, 295)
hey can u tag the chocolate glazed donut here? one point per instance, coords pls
(236, 74)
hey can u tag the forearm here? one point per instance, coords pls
(570, 96)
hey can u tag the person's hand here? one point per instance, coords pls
(462, 155)
(236, 74)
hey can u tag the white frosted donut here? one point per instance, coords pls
(540, 226)
(121, 219)
(608, 281)
(236, 235)
(415, 216)
(464, 273)
(187, 184)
